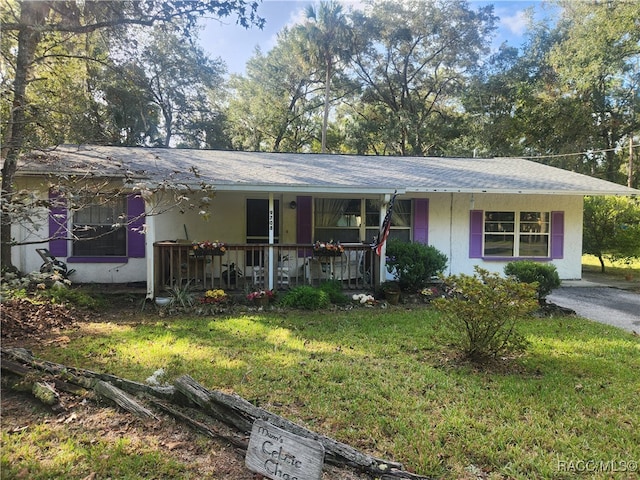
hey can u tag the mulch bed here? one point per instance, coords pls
(24, 321)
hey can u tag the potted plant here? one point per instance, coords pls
(327, 249)
(261, 298)
(215, 296)
(390, 291)
(200, 249)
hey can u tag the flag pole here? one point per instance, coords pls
(380, 245)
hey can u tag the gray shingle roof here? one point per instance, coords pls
(258, 171)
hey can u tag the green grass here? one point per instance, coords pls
(50, 451)
(385, 382)
(590, 263)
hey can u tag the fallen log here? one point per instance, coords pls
(30, 375)
(201, 427)
(44, 392)
(83, 377)
(241, 414)
(232, 410)
(118, 396)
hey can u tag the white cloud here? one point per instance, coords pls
(516, 23)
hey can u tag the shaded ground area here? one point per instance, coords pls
(25, 324)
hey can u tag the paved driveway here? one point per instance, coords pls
(601, 303)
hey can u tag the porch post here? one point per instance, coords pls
(382, 261)
(271, 238)
(150, 254)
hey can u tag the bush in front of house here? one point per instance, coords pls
(305, 297)
(482, 312)
(415, 263)
(333, 288)
(48, 286)
(543, 275)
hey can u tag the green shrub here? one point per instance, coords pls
(482, 312)
(305, 297)
(415, 263)
(543, 275)
(333, 289)
(73, 296)
(182, 296)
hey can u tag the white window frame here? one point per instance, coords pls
(518, 223)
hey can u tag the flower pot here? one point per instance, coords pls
(261, 302)
(392, 297)
(162, 301)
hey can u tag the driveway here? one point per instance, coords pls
(602, 302)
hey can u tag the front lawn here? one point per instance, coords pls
(385, 382)
(619, 269)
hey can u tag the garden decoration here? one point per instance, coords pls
(201, 249)
(327, 249)
(214, 296)
(261, 298)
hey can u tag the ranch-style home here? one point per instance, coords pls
(266, 210)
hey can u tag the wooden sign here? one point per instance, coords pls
(281, 455)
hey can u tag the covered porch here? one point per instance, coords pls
(260, 266)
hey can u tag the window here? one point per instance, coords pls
(400, 220)
(100, 228)
(513, 234)
(342, 220)
(338, 219)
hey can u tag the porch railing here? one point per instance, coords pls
(245, 267)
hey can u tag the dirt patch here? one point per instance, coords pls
(203, 459)
(24, 321)
(27, 324)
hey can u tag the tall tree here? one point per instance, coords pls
(611, 228)
(178, 77)
(597, 65)
(412, 58)
(273, 106)
(33, 22)
(126, 111)
(327, 43)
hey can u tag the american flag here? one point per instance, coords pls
(386, 225)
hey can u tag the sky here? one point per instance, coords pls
(235, 45)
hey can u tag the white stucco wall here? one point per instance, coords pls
(26, 259)
(453, 238)
(227, 223)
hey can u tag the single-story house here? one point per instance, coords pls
(269, 208)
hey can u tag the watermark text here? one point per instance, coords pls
(594, 466)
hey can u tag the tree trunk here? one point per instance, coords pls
(325, 118)
(31, 15)
(601, 263)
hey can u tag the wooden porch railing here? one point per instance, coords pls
(245, 267)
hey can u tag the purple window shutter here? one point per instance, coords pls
(421, 220)
(476, 227)
(557, 234)
(135, 237)
(57, 224)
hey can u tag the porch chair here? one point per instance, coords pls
(348, 267)
(287, 270)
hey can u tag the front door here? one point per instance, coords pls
(258, 226)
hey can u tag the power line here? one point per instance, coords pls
(577, 153)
